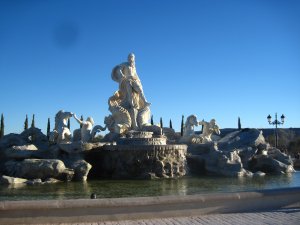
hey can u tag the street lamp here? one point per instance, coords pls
(276, 122)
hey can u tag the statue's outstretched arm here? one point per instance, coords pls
(78, 120)
(201, 123)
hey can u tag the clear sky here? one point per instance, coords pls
(212, 58)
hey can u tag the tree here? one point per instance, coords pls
(202, 127)
(26, 123)
(239, 123)
(182, 123)
(33, 122)
(69, 124)
(294, 147)
(81, 118)
(2, 126)
(48, 128)
(152, 120)
(171, 124)
(161, 123)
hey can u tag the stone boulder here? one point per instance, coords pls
(38, 169)
(239, 153)
(80, 167)
(241, 139)
(78, 147)
(20, 152)
(36, 137)
(269, 165)
(12, 180)
(10, 140)
(216, 162)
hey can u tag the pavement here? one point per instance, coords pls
(279, 206)
(284, 217)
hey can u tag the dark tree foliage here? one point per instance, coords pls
(294, 147)
(48, 128)
(161, 123)
(239, 123)
(171, 126)
(26, 123)
(69, 124)
(33, 122)
(81, 118)
(152, 120)
(2, 126)
(182, 124)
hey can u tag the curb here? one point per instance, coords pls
(91, 210)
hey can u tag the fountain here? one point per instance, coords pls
(133, 148)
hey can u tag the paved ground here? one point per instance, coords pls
(280, 206)
(284, 217)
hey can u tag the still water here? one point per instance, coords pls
(139, 188)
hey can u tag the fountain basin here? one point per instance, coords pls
(137, 161)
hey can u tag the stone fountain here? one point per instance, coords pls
(133, 148)
(140, 149)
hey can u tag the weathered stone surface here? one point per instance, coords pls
(20, 152)
(11, 140)
(34, 182)
(267, 164)
(280, 156)
(38, 169)
(80, 167)
(239, 153)
(220, 163)
(138, 162)
(36, 137)
(241, 139)
(259, 174)
(12, 180)
(51, 181)
(142, 141)
(77, 147)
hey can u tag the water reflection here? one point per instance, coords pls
(134, 188)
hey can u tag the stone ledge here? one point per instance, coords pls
(141, 147)
(294, 193)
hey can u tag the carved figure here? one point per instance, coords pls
(208, 129)
(189, 135)
(61, 132)
(87, 132)
(190, 123)
(128, 105)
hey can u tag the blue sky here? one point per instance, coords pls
(213, 58)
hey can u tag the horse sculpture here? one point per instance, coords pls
(61, 132)
(189, 135)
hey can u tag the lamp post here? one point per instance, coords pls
(276, 122)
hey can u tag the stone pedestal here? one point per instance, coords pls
(138, 156)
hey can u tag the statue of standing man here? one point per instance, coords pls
(130, 96)
(125, 74)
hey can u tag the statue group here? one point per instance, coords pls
(128, 106)
(209, 128)
(130, 111)
(62, 134)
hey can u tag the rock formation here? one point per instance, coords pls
(240, 153)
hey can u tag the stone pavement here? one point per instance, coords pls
(283, 216)
(278, 206)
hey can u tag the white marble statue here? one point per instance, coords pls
(61, 132)
(208, 129)
(129, 107)
(87, 132)
(189, 136)
(190, 123)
